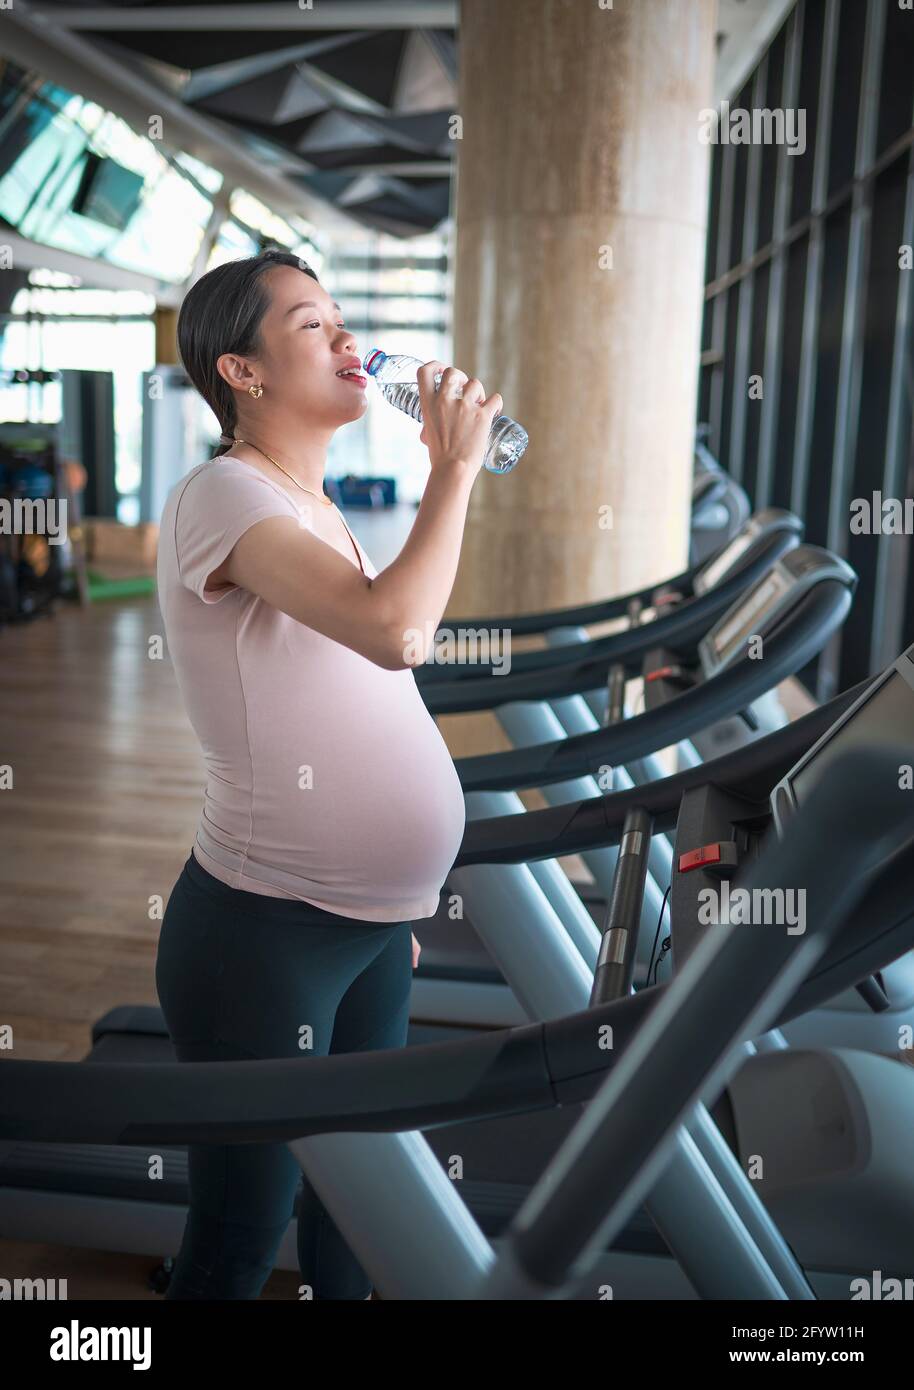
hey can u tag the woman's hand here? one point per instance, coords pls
(457, 418)
(416, 949)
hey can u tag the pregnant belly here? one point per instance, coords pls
(404, 836)
(377, 813)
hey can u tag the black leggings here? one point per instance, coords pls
(241, 976)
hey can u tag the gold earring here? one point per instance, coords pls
(256, 392)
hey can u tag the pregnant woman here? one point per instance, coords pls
(332, 809)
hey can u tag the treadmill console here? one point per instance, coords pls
(768, 601)
(720, 831)
(758, 528)
(884, 712)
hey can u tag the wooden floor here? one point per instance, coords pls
(106, 795)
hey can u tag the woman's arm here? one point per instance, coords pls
(391, 619)
(293, 570)
(457, 419)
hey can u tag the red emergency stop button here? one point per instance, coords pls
(699, 858)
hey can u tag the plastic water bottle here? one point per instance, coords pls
(395, 374)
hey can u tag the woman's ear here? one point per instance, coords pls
(235, 371)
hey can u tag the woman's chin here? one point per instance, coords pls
(354, 410)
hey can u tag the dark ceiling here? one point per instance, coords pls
(359, 116)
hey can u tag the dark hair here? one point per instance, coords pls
(222, 312)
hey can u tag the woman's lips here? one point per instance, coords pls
(360, 381)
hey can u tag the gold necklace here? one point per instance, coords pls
(327, 501)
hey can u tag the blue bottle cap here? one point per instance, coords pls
(373, 360)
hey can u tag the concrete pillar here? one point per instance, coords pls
(581, 217)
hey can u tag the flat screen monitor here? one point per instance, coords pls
(108, 192)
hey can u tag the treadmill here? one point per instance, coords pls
(68, 1194)
(459, 979)
(687, 604)
(761, 538)
(719, 505)
(794, 607)
(646, 1146)
(764, 538)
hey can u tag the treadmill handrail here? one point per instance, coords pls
(686, 622)
(627, 650)
(682, 629)
(596, 822)
(787, 650)
(605, 610)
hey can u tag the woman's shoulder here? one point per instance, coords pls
(215, 472)
(223, 479)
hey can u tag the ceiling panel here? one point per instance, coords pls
(334, 101)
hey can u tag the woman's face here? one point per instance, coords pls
(305, 345)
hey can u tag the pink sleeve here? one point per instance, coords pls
(218, 505)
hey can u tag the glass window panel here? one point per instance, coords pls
(161, 236)
(896, 90)
(848, 82)
(253, 214)
(791, 368)
(808, 101)
(769, 153)
(123, 347)
(231, 244)
(210, 178)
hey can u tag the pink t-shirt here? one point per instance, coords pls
(327, 778)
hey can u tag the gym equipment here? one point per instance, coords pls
(794, 607)
(456, 981)
(719, 505)
(673, 1047)
(745, 560)
(698, 681)
(560, 975)
(762, 538)
(38, 547)
(565, 670)
(688, 604)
